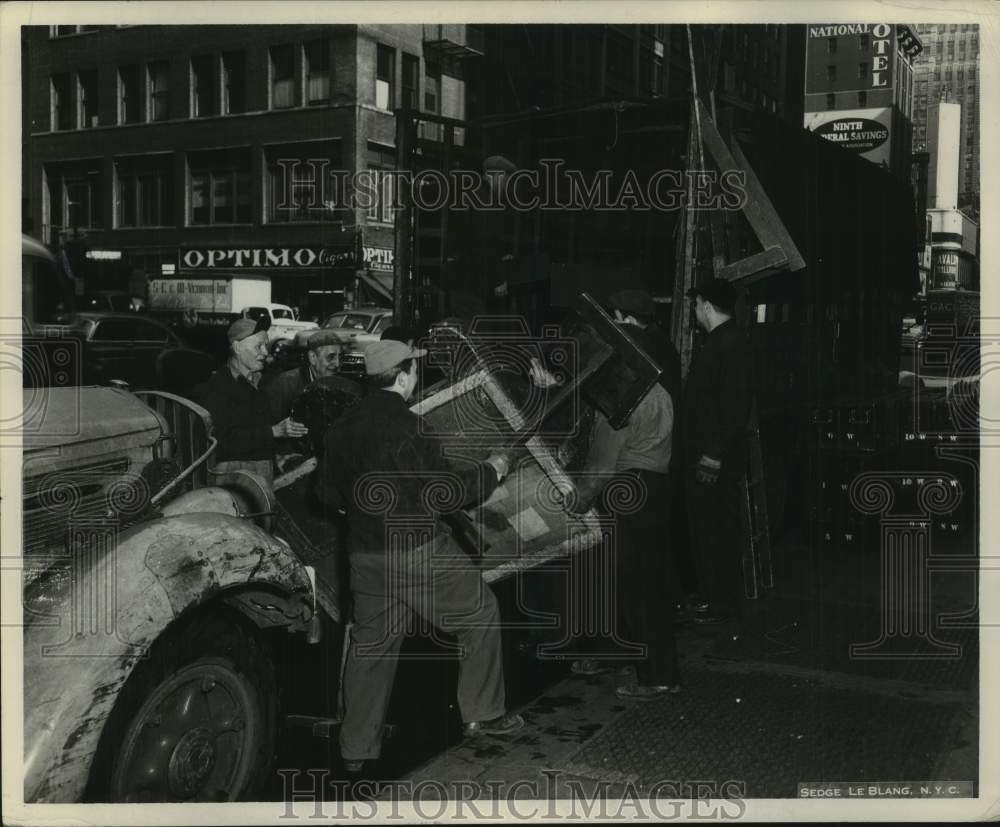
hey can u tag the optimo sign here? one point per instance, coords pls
(864, 132)
(266, 258)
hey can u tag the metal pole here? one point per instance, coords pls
(402, 283)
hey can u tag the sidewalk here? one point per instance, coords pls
(781, 703)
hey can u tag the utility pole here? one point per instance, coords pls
(402, 284)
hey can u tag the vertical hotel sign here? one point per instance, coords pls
(882, 52)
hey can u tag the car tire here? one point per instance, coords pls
(196, 722)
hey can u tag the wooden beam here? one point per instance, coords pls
(776, 225)
(772, 258)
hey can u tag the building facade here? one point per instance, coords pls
(948, 70)
(222, 151)
(859, 89)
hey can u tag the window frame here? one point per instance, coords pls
(124, 100)
(198, 62)
(387, 78)
(82, 99)
(57, 122)
(286, 81)
(213, 174)
(156, 97)
(322, 47)
(229, 62)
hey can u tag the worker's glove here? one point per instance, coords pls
(500, 463)
(289, 428)
(707, 470)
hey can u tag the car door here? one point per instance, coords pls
(151, 339)
(109, 349)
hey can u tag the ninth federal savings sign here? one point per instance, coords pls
(864, 132)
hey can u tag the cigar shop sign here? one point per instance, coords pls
(283, 258)
(265, 258)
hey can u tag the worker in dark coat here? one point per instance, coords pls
(717, 400)
(240, 417)
(385, 468)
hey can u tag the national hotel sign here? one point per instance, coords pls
(882, 50)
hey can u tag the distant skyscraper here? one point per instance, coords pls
(948, 70)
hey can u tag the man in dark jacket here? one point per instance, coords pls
(240, 419)
(323, 362)
(385, 468)
(717, 402)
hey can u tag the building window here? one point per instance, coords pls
(158, 86)
(63, 31)
(220, 187)
(233, 83)
(432, 101)
(862, 71)
(831, 100)
(129, 95)
(864, 42)
(202, 85)
(80, 201)
(86, 85)
(831, 45)
(317, 60)
(144, 191)
(862, 98)
(300, 183)
(62, 103)
(831, 72)
(411, 82)
(282, 77)
(381, 187)
(385, 74)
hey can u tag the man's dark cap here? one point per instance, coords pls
(633, 303)
(717, 291)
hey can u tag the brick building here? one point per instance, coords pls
(166, 150)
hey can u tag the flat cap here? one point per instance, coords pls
(631, 302)
(241, 328)
(324, 337)
(717, 291)
(385, 355)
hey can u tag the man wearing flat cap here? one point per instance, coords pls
(232, 395)
(383, 465)
(717, 400)
(325, 348)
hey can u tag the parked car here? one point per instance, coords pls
(284, 325)
(357, 327)
(140, 351)
(114, 301)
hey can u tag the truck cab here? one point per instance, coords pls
(152, 587)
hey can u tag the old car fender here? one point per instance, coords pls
(89, 622)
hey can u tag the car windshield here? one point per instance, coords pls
(356, 321)
(279, 313)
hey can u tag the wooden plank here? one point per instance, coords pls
(771, 258)
(446, 395)
(775, 225)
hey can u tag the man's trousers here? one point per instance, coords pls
(714, 518)
(438, 583)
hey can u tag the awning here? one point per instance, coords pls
(381, 283)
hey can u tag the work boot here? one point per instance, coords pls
(501, 725)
